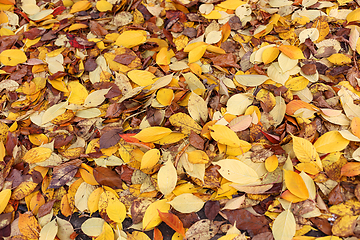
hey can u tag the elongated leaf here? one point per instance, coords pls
(296, 184)
(172, 221)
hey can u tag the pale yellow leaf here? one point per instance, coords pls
(284, 226)
(187, 203)
(49, 231)
(251, 80)
(96, 98)
(197, 107)
(93, 226)
(167, 178)
(237, 172)
(310, 185)
(238, 103)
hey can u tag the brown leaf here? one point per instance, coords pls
(46, 208)
(5, 219)
(203, 230)
(247, 221)
(97, 29)
(107, 177)
(309, 69)
(337, 195)
(64, 173)
(212, 209)
(125, 59)
(138, 209)
(225, 60)
(196, 140)
(322, 224)
(188, 219)
(110, 138)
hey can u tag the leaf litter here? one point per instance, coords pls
(229, 119)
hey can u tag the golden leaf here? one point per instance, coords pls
(331, 141)
(37, 154)
(131, 38)
(80, 6)
(12, 57)
(151, 217)
(152, 134)
(296, 184)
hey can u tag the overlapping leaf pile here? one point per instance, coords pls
(227, 119)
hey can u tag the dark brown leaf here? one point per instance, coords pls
(46, 208)
(337, 195)
(125, 59)
(138, 209)
(212, 209)
(247, 221)
(309, 69)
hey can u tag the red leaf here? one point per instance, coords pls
(173, 221)
(157, 234)
(272, 138)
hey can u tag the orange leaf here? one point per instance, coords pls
(294, 105)
(29, 225)
(157, 234)
(173, 221)
(9, 2)
(288, 196)
(296, 184)
(292, 52)
(226, 30)
(351, 169)
(355, 126)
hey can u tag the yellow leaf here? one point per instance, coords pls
(2, 151)
(163, 57)
(187, 203)
(284, 226)
(80, 6)
(93, 200)
(165, 96)
(305, 151)
(292, 52)
(131, 38)
(141, 77)
(344, 226)
(38, 139)
(12, 57)
(24, 189)
(151, 217)
(224, 135)
(116, 211)
(231, 4)
(36, 201)
(138, 236)
(29, 226)
(167, 178)
(37, 154)
(331, 141)
(77, 26)
(310, 185)
(78, 93)
(271, 163)
(353, 16)
(339, 59)
(270, 54)
(87, 173)
(296, 184)
(173, 137)
(213, 15)
(185, 123)
(107, 233)
(103, 6)
(296, 83)
(3, 17)
(4, 199)
(150, 158)
(238, 172)
(215, 49)
(197, 53)
(198, 157)
(152, 134)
